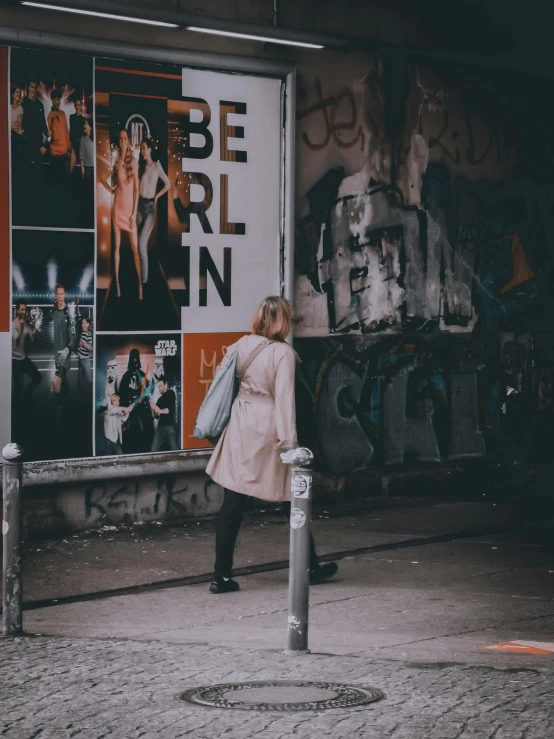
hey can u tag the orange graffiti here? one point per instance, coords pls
(521, 269)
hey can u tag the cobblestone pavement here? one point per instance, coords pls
(56, 688)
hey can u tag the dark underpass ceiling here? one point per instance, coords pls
(494, 28)
(487, 27)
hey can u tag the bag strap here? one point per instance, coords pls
(252, 356)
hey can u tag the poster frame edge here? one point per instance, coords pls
(146, 53)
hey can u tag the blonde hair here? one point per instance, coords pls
(272, 318)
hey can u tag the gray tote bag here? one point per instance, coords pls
(215, 411)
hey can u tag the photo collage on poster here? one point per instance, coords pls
(145, 229)
(53, 252)
(97, 284)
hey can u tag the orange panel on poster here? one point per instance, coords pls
(201, 355)
(4, 196)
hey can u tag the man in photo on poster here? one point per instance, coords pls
(35, 133)
(16, 128)
(64, 344)
(58, 133)
(22, 332)
(165, 411)
(76, 132)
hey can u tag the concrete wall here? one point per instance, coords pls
(424, 255)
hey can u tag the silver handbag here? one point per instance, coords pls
(215, 411)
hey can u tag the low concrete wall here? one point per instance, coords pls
(76, 505)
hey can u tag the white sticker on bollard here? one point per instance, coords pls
(5, 528)
(301, 486)
(297, 518)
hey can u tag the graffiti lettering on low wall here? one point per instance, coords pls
(149, 499)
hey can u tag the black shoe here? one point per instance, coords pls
(324, 571)
(220, 585)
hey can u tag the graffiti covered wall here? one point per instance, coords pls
(424, 258)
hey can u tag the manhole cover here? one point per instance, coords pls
(282, 696)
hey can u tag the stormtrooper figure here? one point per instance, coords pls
(112, 380)
(157, 374)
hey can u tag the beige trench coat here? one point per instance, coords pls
(262, 424)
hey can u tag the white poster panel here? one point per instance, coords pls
(233, 165)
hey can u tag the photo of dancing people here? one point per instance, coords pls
(52, 346)
(50, 102)
(138, 394)
(133, 289)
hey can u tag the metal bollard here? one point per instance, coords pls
(12, 536)
(299, 558)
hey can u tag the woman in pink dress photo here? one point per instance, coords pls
(125, 187)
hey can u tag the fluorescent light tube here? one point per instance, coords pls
(233, 34)
(111, 16)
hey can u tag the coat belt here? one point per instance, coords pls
(252, 398)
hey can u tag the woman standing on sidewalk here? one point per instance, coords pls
(246, 461)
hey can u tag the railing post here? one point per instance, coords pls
(12, 538)
(299, 559)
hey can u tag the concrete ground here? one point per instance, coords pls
(113, 558)
(407, 614)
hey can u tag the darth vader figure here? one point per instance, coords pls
(138, 428)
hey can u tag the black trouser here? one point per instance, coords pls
(227, 529)
(164, 435)
(31, 177)
(20, 368)
(60, 169)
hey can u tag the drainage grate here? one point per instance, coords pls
(282, 696)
